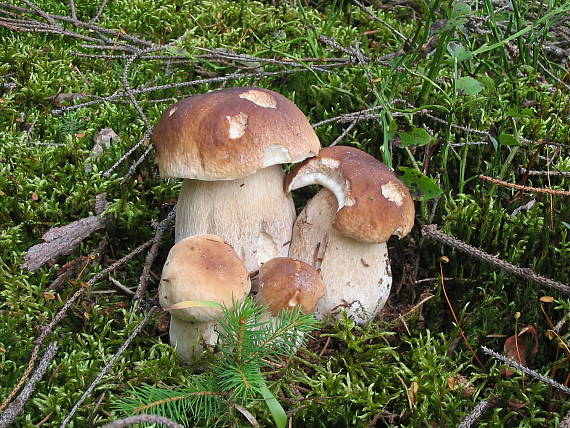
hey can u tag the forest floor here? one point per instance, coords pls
(446, 93)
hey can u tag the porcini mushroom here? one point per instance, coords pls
(200, 268)
(284, 283)
(343, 229)
(228, 146)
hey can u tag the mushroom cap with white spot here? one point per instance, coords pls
(285, 283)
(373, 203)
(231, 133)
(202, 268)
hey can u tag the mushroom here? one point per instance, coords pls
(284, 283)
(200, 268)
(228, 146)
(343, 229)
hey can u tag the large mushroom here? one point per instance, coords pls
(228, 146)
(200, 268)
(343, 229)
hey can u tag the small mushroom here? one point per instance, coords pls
(343, 229)
(200, 268)
(284, 283)
(228, 146)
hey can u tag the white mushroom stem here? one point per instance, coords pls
(253, 214)
(188, 337)
(356, 274)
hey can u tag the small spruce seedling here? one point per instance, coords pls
(247, 343)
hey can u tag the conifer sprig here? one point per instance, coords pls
(248, 338)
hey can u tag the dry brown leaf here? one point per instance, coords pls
(516, 347)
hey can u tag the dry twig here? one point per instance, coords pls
(108, 367)
(381, 21)
(63, 240)
(479, 410)
(532, 172)
(17, 406)
(430, 231)
(145, 90)
(151, 255)
(525, 188)
(526, 370)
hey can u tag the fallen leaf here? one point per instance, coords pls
(516, 404)
(35, 196)
(63, 98)
(48, 295)
(516, 347)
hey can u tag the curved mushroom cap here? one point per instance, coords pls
(202, 268)
(373, 203)
(285, 283)
(231, 133)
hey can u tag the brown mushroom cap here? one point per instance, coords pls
(373, 203)
(202, 268)
(285, 283)
(231, 133)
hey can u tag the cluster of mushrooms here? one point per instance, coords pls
(235, 217)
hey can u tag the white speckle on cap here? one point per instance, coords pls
(172, 111)
(393, 193)
(262, 99)
(238, 125)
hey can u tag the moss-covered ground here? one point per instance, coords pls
(472, 88)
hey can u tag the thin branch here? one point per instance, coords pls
(90, 26)
(17, 406)
(73, 9)
(42, 28)
(479, 410)
(348, 117)
(430, 231)
(135, 165)
(99, 12)
(46, 330)
(143, 419)
(41, 13)
(525, 188)
(531, 172)
(108, 366)
(151, 255)
(526, 370)
(344, 133)
(107, 173)
(381, 21)
(121, 287)
(220, 79)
